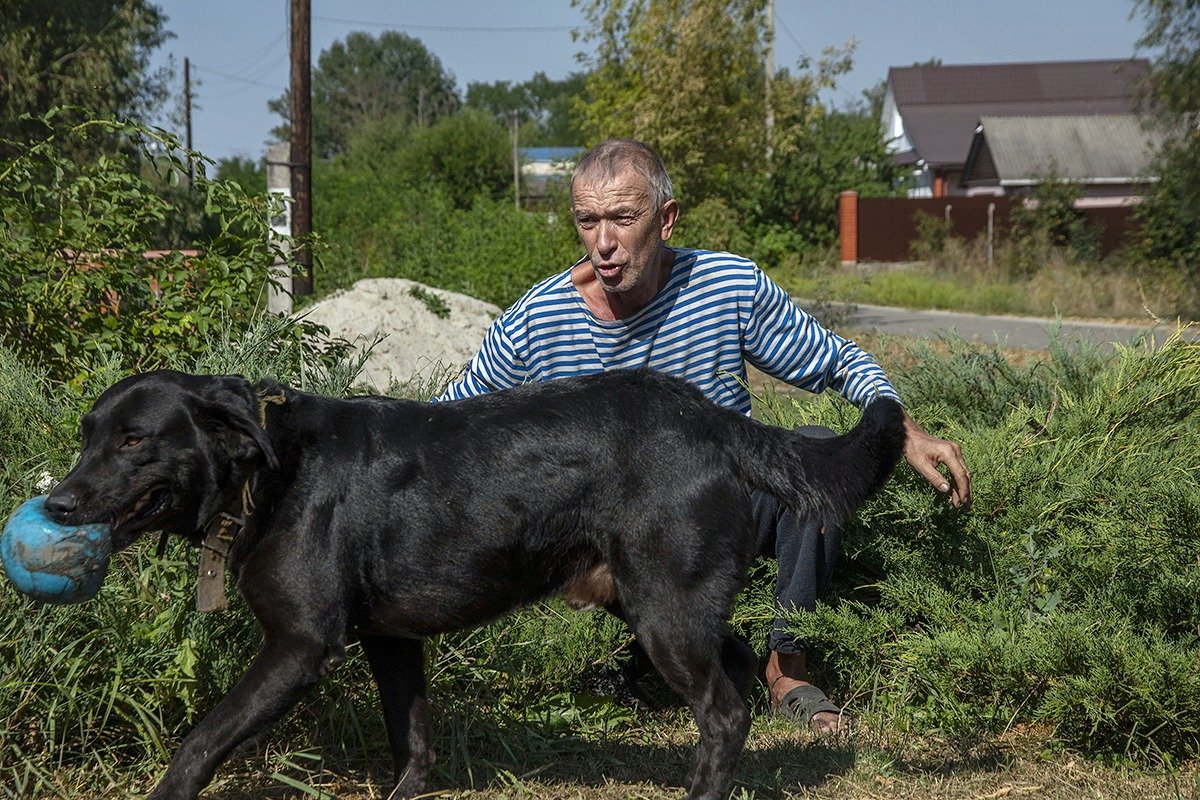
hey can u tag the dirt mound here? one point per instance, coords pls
(426, 330)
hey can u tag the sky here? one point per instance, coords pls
(238, 48)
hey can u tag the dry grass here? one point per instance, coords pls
(651, 761)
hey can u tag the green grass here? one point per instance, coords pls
(1058, 290)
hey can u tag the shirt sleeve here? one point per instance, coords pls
(496, 366)
(787, 343)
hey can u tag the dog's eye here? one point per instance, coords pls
(132, 441)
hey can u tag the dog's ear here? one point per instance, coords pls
(233, 405)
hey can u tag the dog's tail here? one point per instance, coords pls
(830, 477)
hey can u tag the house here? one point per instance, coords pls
(1107, 155)
(930, 113)
(540, 165)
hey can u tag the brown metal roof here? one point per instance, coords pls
(941, 105)
(1090, 149)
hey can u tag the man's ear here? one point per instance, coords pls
(669, 215)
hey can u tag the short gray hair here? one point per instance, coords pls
(609, 158)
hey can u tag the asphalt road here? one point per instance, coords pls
(1026, 333)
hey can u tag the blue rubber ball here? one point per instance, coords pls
(50, 562)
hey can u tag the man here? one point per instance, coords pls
(633, 301)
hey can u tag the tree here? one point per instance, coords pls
(465, 155)
(542, 106)
(1170, 214)
(831, 152)
(686, 77)
(248, 173)
(367, 78)
(89, 55)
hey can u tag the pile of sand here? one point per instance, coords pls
(419, 343)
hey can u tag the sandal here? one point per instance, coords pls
(804, 702)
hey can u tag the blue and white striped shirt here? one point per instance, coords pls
(716, 312)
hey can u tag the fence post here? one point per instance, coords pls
(848, 228)
(279, 181)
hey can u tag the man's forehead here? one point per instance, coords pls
(624, 187)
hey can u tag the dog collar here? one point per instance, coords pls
(214, 553)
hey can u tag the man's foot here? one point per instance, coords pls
(797, 699)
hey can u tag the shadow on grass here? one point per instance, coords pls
(507, 758)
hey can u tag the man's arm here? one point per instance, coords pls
(789, 344)
(496, 366)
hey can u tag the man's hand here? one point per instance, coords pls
(926, 453)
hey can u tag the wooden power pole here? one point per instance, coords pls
(301, 141)
(187, 100)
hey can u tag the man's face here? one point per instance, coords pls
(621, 230)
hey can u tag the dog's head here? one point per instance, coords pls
(163, 451)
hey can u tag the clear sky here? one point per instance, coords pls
(238, 48)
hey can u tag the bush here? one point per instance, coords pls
(77, 287)
(376, 227)
(1069, 594)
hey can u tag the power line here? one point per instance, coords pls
(227, 76)
(792, 36)
(453, 28)
(243, 63)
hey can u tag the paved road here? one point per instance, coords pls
(1028, 333)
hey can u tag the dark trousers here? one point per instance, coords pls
(806, 550)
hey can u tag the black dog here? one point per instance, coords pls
(384, 521)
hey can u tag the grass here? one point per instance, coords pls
(497, 759)
(1059, 289)
(967, 683)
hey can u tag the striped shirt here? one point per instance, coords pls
(716, 312)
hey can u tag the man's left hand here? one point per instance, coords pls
(927, 452)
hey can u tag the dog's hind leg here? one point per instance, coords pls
(398, 665)
(692, 660)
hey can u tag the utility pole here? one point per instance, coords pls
(770, 77)
(187, 99)
(516, 163)
(301, 141)
(187, 113)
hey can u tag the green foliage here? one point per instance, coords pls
(90, 56)
(933, 234)
(543, 107)
(820, 154)
(79, 288)
(1050, 222)
(377, 220)
(371, 78)
(251, 175)
(1069, 594)
(685, 76)
(1170, 214)
(467, 155)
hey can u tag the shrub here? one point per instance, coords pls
(375, 228)
(77, 287)
(1069, 594)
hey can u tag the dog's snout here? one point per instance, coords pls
(61, 503)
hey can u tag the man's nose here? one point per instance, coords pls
(606, 239)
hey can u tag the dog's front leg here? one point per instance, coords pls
(281, 672)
